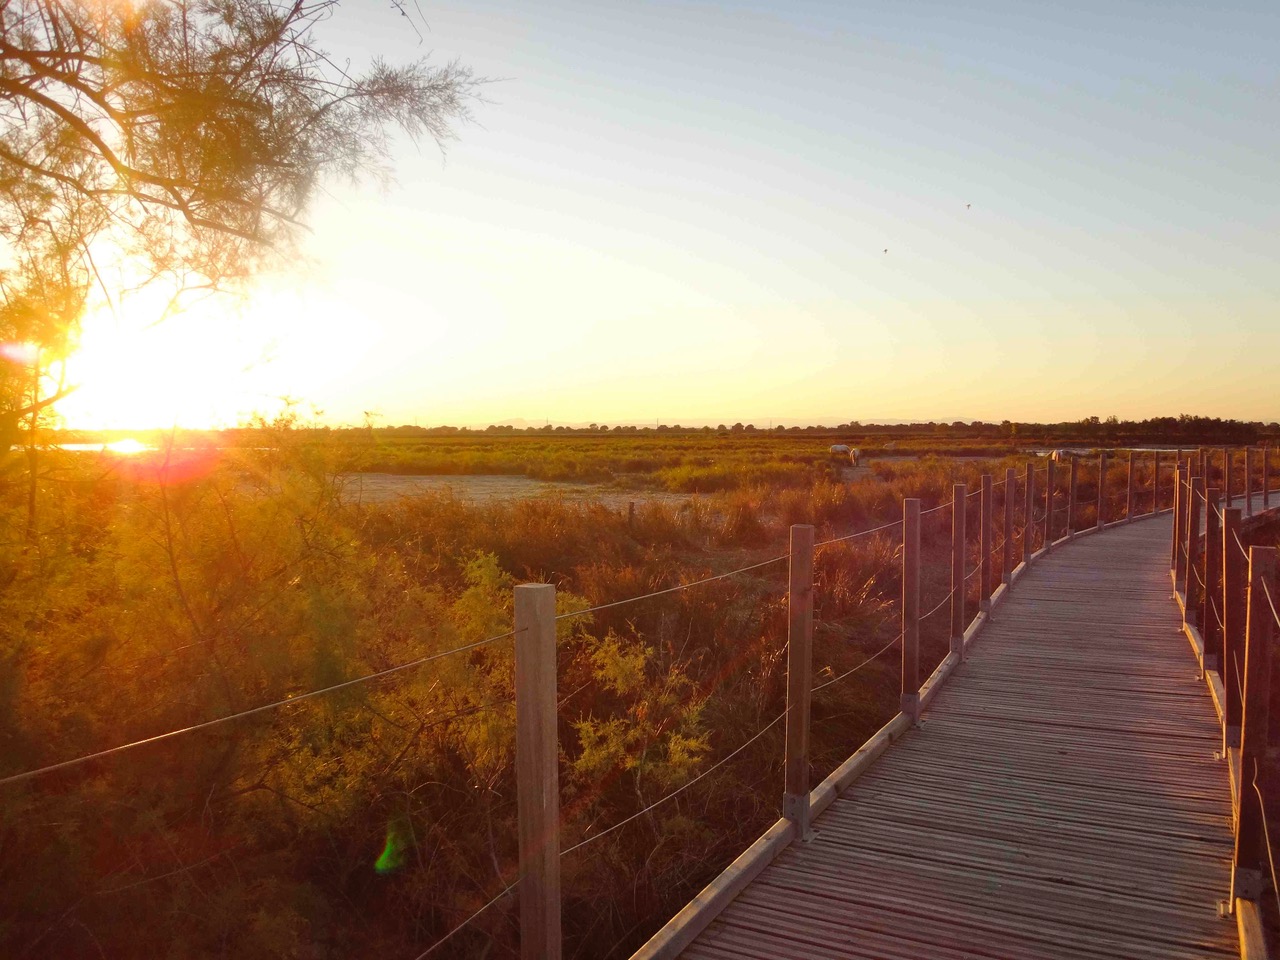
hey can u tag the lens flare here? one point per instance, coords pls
(396, 850)
(23, 353)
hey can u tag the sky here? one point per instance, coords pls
(799, 212)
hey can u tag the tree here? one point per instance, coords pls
(176, 142)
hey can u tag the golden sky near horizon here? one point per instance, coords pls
(681, 214)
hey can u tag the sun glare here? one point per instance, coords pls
(127, 446)
(203, 369)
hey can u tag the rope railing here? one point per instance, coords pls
(681, 789)
(850, 672)
(450, 935)
(1266, 833)
(252, 711)
(1058, 500)
(678, 588)
(1240, 546)
(1266, 592)
(945, 600)
(860, 533)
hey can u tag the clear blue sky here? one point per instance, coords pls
(680, 212)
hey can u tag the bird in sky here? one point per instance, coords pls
(968, 205)
(886, 249)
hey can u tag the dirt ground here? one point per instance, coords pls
(384, 487)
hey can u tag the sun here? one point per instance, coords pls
(170, 374)
(205, 368)
(128, 446)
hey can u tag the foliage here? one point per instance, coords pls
(173, 144)
(169, 590)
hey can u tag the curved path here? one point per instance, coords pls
(1061, 798)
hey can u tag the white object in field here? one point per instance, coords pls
(839, 448)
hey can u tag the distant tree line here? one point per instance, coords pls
(1185, 429)
(1192, 429)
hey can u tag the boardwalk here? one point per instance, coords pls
(1060, 800)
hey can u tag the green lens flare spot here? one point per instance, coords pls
(396, 850)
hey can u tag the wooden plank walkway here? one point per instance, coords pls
(1061, 798)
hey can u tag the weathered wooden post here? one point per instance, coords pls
(1248, 481)
(1203, 453)
(1155, 484)
(1176, 559)
(1028, 514)
(1247, 862)
(1006, 557)
(537, 772)
(1235, 575)
(911, 609)
(1048, 505)
(984, 578)
(959, 497)
(795, 798)
(1209, 612)
(1071, 503)
(1191, 582)
(1228, 469)
(1128, 500)
(1102, 490)
(1266, 477)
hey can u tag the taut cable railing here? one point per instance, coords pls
(996, 547)
(983, 572)
(1230, 617)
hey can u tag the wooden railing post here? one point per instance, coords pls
(795, 798)
(1176, 560)
(1234, 575)
(1228, 469)
(1006, 557)
(911, 609)
(537, 772)
(1071, 504)
(1155, 485)
(1248, 481)
(1247, 863)
(1028, 514)
(1212, 580)
(984, 539)
(959, 497)
(1191, 585)
(1128, 500)
(1102, 491)
(1266, 477)
(1048, 505)
(1203, 453)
